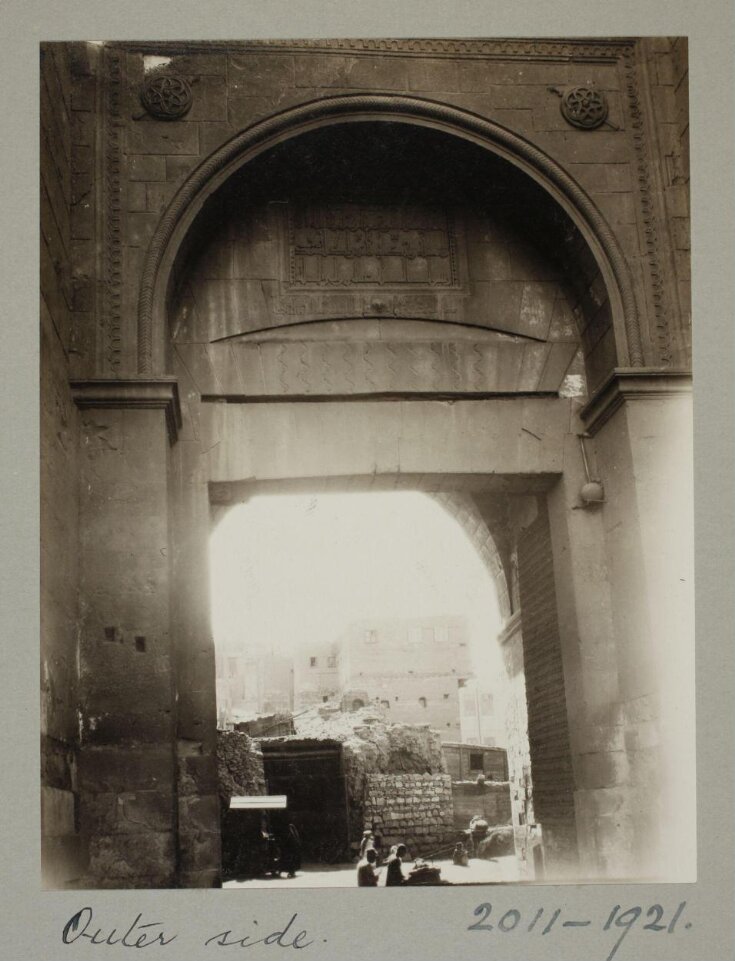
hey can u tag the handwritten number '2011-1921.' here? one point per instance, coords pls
(512, 920)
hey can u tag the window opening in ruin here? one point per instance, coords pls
(422, 701)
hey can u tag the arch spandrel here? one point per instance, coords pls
(244, 148)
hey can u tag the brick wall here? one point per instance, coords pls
(548, 732)
(414, 809)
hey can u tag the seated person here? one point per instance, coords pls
(394, 874)
(460, 856)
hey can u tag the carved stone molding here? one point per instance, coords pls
(598, 50)
(161, 393)
(660, 332)
(113, 212)
(631, 384)
(412, 109)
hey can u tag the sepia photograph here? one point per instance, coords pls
(366, 463)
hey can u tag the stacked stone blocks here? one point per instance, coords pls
(413, 809)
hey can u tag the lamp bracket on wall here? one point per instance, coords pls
(592, 493)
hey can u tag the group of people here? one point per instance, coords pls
(281, 853)
(368, 872)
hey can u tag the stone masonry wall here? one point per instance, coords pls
(414, 809)
(59, 469)
(515, 84)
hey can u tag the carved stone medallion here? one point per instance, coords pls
(166, 97)
(584, 106)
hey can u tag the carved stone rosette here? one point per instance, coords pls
(584, 106)
(166, 97)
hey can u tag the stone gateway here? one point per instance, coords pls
(459, 267)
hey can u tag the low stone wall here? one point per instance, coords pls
(491, 800)
(414, 809)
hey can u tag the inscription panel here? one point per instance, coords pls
(345, 245)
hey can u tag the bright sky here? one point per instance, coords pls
(289, 570)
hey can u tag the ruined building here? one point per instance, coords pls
(457, 266)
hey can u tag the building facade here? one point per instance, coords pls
(456, 266)
(481, 719)
(315, 675)
(414, 668)
(252, 683)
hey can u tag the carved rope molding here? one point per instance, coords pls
(600, 50)
(370, 105)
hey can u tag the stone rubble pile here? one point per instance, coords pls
(239, 766)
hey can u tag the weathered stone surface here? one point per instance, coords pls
(146, 167)
(57, 812)
(239, 766)
(128, 812)
(125, 768)
(125, 857)
(160, 137)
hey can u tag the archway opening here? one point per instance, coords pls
(397, 223)
(356, 648)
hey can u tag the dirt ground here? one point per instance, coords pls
(500, 870)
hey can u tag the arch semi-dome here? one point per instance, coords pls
(212, 173)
